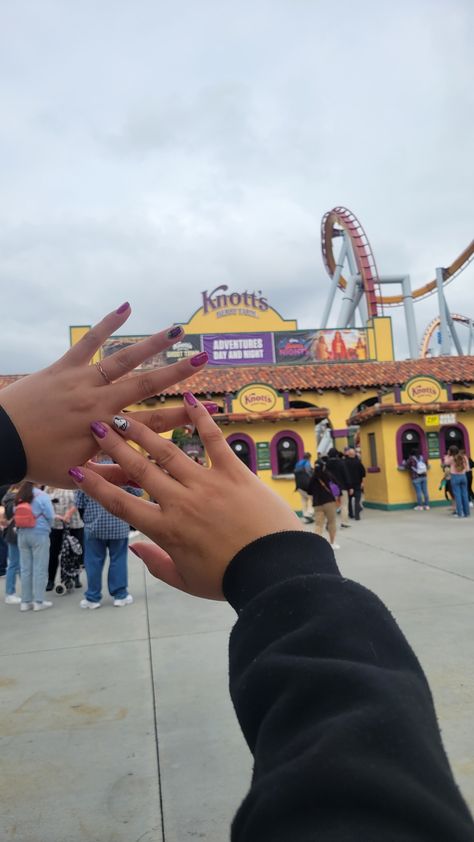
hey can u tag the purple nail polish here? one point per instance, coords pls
(134, 551)
(76, 474)
(132, 483)
(190, 399)
(199, 359)
(174, 332)
(122, 308)
(100, 430)
(212, 408)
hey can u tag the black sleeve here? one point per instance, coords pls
(334, 707)
(12, 453)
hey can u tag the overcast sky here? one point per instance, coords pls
(150, 150)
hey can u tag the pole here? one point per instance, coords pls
(334, 282)
(445, 348)
(409, 309)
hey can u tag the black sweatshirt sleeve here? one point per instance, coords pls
(334, 707)
(12, 452)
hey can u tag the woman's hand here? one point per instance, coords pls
(52, 409)
(205, 515)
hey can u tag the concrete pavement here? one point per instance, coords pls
(116, 725)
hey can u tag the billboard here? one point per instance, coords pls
(321, 346)
(229, 349)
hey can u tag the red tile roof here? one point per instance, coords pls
(403, 408)
(218, 381)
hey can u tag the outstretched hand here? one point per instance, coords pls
(53, 408)
(205, 515)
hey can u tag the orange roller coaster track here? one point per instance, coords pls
(434, 326)
(341, 218)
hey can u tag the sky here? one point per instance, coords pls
(150, 150)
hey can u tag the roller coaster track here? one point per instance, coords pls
(434, 326)
(341, 218)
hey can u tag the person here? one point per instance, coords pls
(355, 476)
(445, 485)
(303, 471)
(331, 699)
(458, 465)
(33, 545)
(324, 503)
(470, 491)
(338, 347)
(337, 468)
(419, 476)
(10, 536)
(65, 514)
(104, 533)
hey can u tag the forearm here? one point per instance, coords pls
(334, 707)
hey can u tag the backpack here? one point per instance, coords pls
(302, 479)
(420, 466)
(24, 517)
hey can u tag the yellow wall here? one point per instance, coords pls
(262, 320)
(380, 339)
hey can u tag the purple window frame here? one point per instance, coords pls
(251, 446)
(423, 445)
(442, 444)
(284, 434)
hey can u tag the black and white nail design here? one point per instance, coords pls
(120, 423)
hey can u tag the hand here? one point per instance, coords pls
(205, 515)
(52, 409)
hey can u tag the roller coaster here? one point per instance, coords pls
(354, 272)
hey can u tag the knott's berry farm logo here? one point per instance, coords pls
(424, 390)
(224, 303)
(258, 399)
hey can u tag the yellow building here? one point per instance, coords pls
(274, 385)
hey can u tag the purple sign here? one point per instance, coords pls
(239, 348)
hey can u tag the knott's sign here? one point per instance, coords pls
(423, 390)
(224, 303)
(257, 397)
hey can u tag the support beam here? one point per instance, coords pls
(445, 348)
(335, 281)
(409, 309)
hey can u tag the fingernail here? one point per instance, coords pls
(76, 474)
(199, 359)
(132, 483)
(175, 332)
(120, 423)
(100, 430)
(190, 399)
(134, 551)
(212, 408)
(122, 308)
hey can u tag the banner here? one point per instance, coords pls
(321, 346)
(189, 345)
(117, 343)
(239, 348)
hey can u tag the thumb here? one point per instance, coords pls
(160, 564)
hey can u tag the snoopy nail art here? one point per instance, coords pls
(120, 423)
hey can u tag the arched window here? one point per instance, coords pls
(410, 437)
(454, 434)
(364, 405)
(244, 447)
(463, 396)
(286, 448)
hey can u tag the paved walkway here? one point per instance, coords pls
(116, 726)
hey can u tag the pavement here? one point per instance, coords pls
(116, 725)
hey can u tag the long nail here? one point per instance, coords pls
(122, 308)
(190, 399)
(120, 423)
(174, 332)
(76, 474)
(199, 359)
(100, 430)
(212, 408)
(134, 551)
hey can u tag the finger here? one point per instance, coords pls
(169, 457)
(148, 383)
(112, 473)
(217, 448)
(162, 420)
(159, 484)
(145, 516)
(118, 364)
(160, 564)
(85, 349)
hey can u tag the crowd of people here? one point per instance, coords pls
(51, 535)
(332, 486)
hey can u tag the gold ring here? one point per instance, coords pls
(104, 374)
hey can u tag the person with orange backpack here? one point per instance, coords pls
(34, 516)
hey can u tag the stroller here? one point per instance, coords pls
(69, 560)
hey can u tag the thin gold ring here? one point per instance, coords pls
(104, 374)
